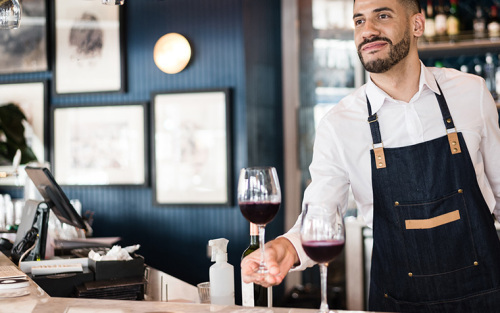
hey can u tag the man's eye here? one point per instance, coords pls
(358, 22)
(383, 16)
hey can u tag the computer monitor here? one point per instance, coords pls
(54, 196)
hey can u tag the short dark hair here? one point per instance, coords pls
(413, 6)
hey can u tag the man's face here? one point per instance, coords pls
(382, 33)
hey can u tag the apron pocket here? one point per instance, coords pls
(437, 235)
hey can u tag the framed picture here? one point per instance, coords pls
(32, 99)
(25, 49)
(99, 145)
(89, 47)
(191, 156)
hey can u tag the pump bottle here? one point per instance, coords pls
(221, 274)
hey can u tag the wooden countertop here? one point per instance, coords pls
(40, 302)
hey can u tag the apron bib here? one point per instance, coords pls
(435, 245)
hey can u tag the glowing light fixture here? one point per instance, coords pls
(10, 14)
(172, 53)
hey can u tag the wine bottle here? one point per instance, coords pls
(490, 75)
(430, 26)
(493, 24)
(453, 21)
(440, 20)
(253, 294)
(479, 23)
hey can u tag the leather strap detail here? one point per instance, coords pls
(454, 143)
(434, 221)
(379, 157)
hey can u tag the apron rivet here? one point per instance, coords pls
(381, 164)
(410, 274)
(386, 295)
(460, 191)
(396, 203)
(448, 120)
(379, 157)
(476, 263)
(454, 143)
(455, 149)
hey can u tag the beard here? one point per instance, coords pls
(397, 53)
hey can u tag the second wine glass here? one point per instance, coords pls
(259, 198)
(322, 235)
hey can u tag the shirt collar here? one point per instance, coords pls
(378, 97)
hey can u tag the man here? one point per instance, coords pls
(420, 149)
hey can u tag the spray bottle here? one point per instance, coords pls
(221, 274)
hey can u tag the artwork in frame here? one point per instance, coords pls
(32, 99)
(89, 47)
(190, 139)
(99, 145)
(25, 49)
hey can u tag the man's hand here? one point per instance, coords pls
(280, 256)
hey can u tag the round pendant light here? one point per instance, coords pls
(172, 53)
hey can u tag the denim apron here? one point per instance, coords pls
(435, 245)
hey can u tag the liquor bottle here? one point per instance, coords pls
(490, 75)
(430, 26)
(479, 23)
(453, 21)
(493, 23)
(253, 294)
(440, 19)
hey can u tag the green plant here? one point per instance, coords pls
(12, 135)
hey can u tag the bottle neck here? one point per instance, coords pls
(254, 234)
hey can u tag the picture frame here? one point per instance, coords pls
(100, 144)
(191, 153)
(89, 47)
(24, 50)
(32, 98)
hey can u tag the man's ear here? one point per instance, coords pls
(418, 22)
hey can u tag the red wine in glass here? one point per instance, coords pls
(259, 213)
(323, 236)
(323, 251)
(259, 198)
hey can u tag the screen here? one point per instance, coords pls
(54, 196)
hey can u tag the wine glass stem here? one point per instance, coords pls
(262, 242)
(323, 268)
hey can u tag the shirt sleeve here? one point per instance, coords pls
(329, 181)
(490, 146)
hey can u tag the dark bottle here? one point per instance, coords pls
(440, 19)
(479, 23)
(493, 23)
(453, 21)
(253, 294)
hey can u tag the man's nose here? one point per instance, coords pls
(370, 29)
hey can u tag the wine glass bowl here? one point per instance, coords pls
(259, 199)
(322, 234)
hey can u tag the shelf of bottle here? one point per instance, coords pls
(464, 44)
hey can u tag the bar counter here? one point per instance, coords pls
(38, 301)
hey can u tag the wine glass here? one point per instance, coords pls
(322, 235)
(259, 198)
(10, 14)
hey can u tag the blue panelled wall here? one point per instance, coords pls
(236, 44)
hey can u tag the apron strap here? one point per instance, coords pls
(448, 123)
(378, 146)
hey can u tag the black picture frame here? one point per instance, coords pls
(103, 144)
(191, 154)
(26, 49)
(81, 65)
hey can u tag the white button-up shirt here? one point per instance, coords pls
(343, 140)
